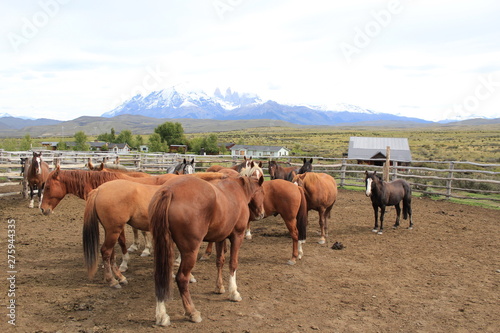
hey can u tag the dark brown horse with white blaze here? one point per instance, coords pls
(321, 193)
(187, 211)
(37, 175)
(383, 194)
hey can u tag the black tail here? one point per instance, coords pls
(406, 200)
(163, 243)
(91, 234)
(302, 215)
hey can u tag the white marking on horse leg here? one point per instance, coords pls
(192, 279)
(374, 230)
(248, 234)
(234, 295)
(380, 232)
(132, 248)
(124, 264)
(322, 240)
(147, 244)
(146, 252)
(177, 261)
(301, 252)
(40, 201)
(162, 317)
(32, 203)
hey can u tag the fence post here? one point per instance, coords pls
(342, 172)
(395, 170)
(448, 182)
(387, 164)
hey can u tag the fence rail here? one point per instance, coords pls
(451, 179)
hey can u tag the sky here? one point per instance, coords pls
(434, 60)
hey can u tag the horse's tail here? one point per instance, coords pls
(406, 200)
(302, 215)
(91, 234)
(163, 243)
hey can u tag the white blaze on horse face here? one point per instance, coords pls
(39, 168)
(368, 187)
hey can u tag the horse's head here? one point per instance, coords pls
(188, 168)
(272, 169)
(54, 191)
(371, 180)
(36, 163)
(256, 204)
(306, 167)
(299, 179)
(254, 170)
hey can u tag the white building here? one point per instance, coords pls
(259, 151)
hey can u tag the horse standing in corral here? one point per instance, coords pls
(25, 165)
(384, 194)
(187, 211)
(37, 175)
(245, 164)
(306, 167)
(287, 199)
(321, 193)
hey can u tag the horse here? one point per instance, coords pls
(37, 175)
(25, 165)
(384, 194)
(287, 199)
(320, 190)
(115, 204)
(246, 162)
(253, 169)
(182, 168)
(80, 182)
(276, 171)
(187, 211)
(306, 167)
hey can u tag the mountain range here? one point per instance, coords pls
(200, 112)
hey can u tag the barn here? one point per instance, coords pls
(370, 150)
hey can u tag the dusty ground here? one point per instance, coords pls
(442, 276)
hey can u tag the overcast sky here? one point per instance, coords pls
(62, 59)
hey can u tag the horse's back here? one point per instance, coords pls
(320, 189)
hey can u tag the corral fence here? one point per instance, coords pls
(450, 179)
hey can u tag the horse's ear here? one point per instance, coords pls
(184, 161)
(101, 166)
(261, 180)
(260, 164)
(305, 160)
(252, 164)
(311, 160)
(192, 161)
(374, 172)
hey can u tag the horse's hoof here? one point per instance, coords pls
(321, 241)
(31, 205)
(192, 279)
(374, 230)
(248, 237)
(163, 320)
(123, 282)
(195, 317)
(235, 297)
(204, 257)
(395, 226)
(220, 290)
(116, 286)
(123, 269)
(379, 233)
(145, 254)
(291, 262)
(132, 248)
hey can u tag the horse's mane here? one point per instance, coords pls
(80, 181)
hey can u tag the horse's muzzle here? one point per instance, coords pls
(47, 211)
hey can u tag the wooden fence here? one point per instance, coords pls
(451, 179)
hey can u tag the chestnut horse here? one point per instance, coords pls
(37, 175)
(237, 167)
(81, 182)
(187, 211)
(115, 204)
(384, 194)
(287, 199)
(321, 193)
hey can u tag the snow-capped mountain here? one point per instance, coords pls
(178, 103)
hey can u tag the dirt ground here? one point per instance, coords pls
(442, 276)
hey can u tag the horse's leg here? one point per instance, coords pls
(188, 260)
(322, 226)
(135, 245)
(208, 251)
(398, 215)
(31, 204)
(121, 279)
(125, 256)
(248, 233)
(409, 214)
(375, 213)
(220, 248)
(382, 212)
(291, 224)
(147, 244)
(236, 240)
(107, 252)
(40, 196)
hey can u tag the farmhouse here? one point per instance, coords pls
(119, 148)
(369, 150)
(259, 151)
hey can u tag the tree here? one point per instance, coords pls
(139, 141)
(81, 141)
(156, 144)
(173, 133)
(61, 145)
(209, 144)
(126, 137)
(26, 142)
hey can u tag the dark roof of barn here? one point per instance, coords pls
(366, 148)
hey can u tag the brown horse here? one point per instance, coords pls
(287, 199)
(37, 175)
(321, 193)
(384, 194)
(237, 167)
(25, 165)
(115, 204)
(187, 211)
(276, 171)
(81, 182)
